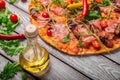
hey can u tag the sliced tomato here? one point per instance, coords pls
(99, 1)
(96, 44)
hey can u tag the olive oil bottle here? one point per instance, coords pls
(34, 59)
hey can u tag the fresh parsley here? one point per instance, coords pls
(66, 38)
(10, 70)
(11, 47)
(6, 25)
(12, 1)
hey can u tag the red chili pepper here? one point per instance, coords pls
(11, 37)
(85, 8)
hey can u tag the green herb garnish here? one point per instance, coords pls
(66, 38)
(10, 70)
(12, 1)
(80, 42)
(105, 2)
(11, 47)
(93, 15)
(58, 2)
(7, 26)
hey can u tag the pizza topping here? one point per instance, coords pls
(39, 17)
(96, 44)
(45, 15)
(45, 2)
(49, 32)
(110, 29)
(59, 30)
(105, 2)
(2, 4)
(57, 10)
(72, 24)
(66, 38)
(76, 5)
(88, 38)
(85, 8)
(42, 23)
(103, 24)
(98, 1)
(71, 1)
(108, 43)
(32, 11)
(96, 23)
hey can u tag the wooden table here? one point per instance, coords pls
(65, 67)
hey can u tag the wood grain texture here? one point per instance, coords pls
(96, 67)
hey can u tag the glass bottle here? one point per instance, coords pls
(34, 59)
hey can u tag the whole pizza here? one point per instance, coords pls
(78, 27)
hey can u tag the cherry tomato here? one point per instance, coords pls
(71, 1)
(45, 15)
(96, 44)
(103, 24)
(99, 1)
(13, 17)
(49, 32)
(2, 4)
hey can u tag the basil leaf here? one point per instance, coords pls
(11, 47)
(66, 38)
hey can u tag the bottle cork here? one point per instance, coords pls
(31, 31)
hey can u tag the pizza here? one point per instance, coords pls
(78, 27)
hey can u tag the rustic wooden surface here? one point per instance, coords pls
(65, 67)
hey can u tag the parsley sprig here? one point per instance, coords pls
(10, 70)
(11, 47)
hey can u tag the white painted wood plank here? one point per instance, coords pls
(96, 67)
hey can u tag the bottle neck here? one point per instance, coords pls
(32, 43)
